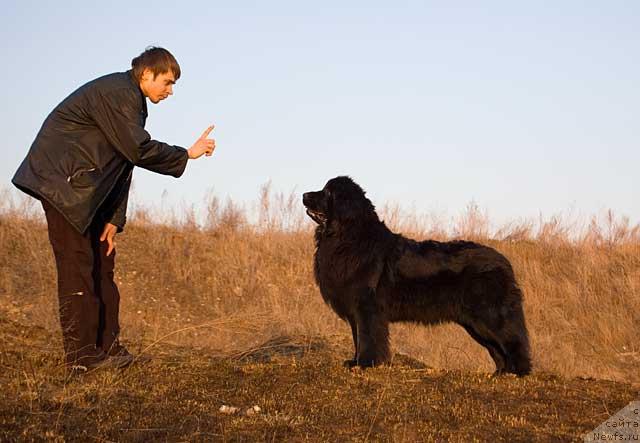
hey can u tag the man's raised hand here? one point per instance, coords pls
(203, 145)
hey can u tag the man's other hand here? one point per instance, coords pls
(108, 234)
(203, 145)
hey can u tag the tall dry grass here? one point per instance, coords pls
(225, 277)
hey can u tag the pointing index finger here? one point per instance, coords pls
(206, 132)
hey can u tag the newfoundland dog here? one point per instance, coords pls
(371, 276)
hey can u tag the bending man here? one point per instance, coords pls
(80, 167)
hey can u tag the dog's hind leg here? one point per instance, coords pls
(372, 331)
(515, 339)
(507, 325)
(506, 329)
(495, 351)
(499, 318)
(518, 361)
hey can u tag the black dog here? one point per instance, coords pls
(371, 276)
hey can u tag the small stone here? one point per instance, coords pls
(229, 410)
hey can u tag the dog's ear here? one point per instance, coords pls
(358, 208)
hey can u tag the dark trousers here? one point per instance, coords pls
(88, 297)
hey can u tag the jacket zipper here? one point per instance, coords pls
(77, 173)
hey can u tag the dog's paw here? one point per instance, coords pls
(366, 362)
(350, 363)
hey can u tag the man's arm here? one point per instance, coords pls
(119, 217)
(117, 114)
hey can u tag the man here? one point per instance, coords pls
(80, 167)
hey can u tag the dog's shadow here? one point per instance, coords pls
(406, 361)
(280, 346)
(284, 346)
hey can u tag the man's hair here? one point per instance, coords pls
(157, 60)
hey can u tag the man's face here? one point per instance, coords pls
(157, 88)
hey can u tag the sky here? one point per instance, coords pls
(527, 109)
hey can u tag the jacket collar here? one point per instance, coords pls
(136, 84)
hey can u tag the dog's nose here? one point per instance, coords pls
(305, 198)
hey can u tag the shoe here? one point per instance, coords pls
(107, 362)
(87, 362)
(117, 350)
(113, 362)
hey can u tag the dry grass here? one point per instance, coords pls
(225, 280)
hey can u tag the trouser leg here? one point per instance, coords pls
(79, 304)
(107, 292)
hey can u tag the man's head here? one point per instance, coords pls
(157, 71)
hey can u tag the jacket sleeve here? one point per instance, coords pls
(118, 115)
(119, 217)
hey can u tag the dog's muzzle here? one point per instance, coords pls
(317, 217)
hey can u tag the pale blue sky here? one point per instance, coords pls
(527, 108)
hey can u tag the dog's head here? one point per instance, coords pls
(341, 200)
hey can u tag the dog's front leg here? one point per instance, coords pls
(354, 334)
(372, 330)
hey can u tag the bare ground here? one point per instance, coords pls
(301, 388)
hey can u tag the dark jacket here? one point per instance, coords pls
(82, 159)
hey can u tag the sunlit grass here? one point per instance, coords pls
(226, 277)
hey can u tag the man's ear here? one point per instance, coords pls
(147, 74)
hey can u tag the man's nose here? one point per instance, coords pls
(170, 89)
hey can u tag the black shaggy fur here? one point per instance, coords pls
(371, 276)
